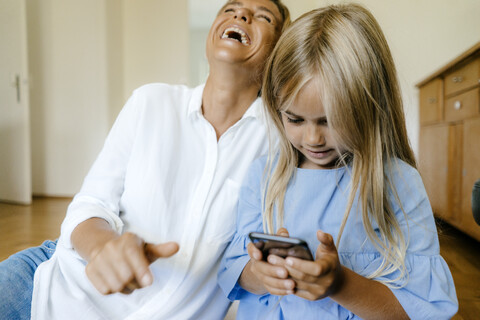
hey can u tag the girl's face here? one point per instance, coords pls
(307, 129)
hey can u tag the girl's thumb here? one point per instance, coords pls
(326, 240)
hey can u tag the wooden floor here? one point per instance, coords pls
(25, 226)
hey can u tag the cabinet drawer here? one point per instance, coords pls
(463, 106)
(463, 78)
(431, 102)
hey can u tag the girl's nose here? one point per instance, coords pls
(243, 14)
(314, 136)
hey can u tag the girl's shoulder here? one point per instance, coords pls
(408, 186)
(256, 171)
(401, 174)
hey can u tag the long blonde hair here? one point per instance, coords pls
(344, 48)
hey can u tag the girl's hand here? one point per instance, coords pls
(320, 278)
(272, 275)
(122, 264)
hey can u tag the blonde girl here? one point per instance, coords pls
(343, 170)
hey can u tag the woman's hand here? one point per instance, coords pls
(317, 279)
(122, 263)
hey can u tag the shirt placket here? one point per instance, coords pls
(196, 222)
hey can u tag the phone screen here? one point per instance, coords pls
(280, 246)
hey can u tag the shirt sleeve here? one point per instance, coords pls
(429, 292)
(249, 219)
(104, 184)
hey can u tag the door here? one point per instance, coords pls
(15, 163)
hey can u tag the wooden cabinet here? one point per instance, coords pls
(449, 155)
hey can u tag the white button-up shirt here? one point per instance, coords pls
(163, 175)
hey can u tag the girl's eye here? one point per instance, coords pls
(291, 120)
(229, 10)
(266, 18)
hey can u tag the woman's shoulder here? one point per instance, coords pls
(162, 97)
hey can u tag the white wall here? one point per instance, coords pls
(85, 59)
(155, 42)
(87, 56)
(68, 101)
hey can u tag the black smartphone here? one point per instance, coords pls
(280, 246)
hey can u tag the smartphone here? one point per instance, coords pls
(280, 246)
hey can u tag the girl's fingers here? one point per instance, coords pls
(276, 285)
(254, 252)
(279, 291)
(326, 242)
(282, 232)
(269, 270)
(305, 269)
(305, 294)
(273, 277)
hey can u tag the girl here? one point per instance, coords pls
(344, 169)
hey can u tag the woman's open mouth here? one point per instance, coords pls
(236, 34)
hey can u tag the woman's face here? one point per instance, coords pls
(244, 32)
(307, 129)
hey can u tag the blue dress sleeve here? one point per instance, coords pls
(429, 292)
(249, 218)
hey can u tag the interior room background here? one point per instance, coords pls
(82, 59)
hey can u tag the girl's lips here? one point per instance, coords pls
(319, 154)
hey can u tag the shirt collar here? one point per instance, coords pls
(195, 105)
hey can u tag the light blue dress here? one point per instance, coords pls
(316, 199)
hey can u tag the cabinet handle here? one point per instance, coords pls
(433, 100)
(457, 105)
(457, 79)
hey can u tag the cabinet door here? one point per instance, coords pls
(470, 174)
(433, 166)
(431, 102)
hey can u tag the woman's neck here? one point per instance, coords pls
(225, 99)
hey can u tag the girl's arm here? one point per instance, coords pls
(368, 299)
(116, 263)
